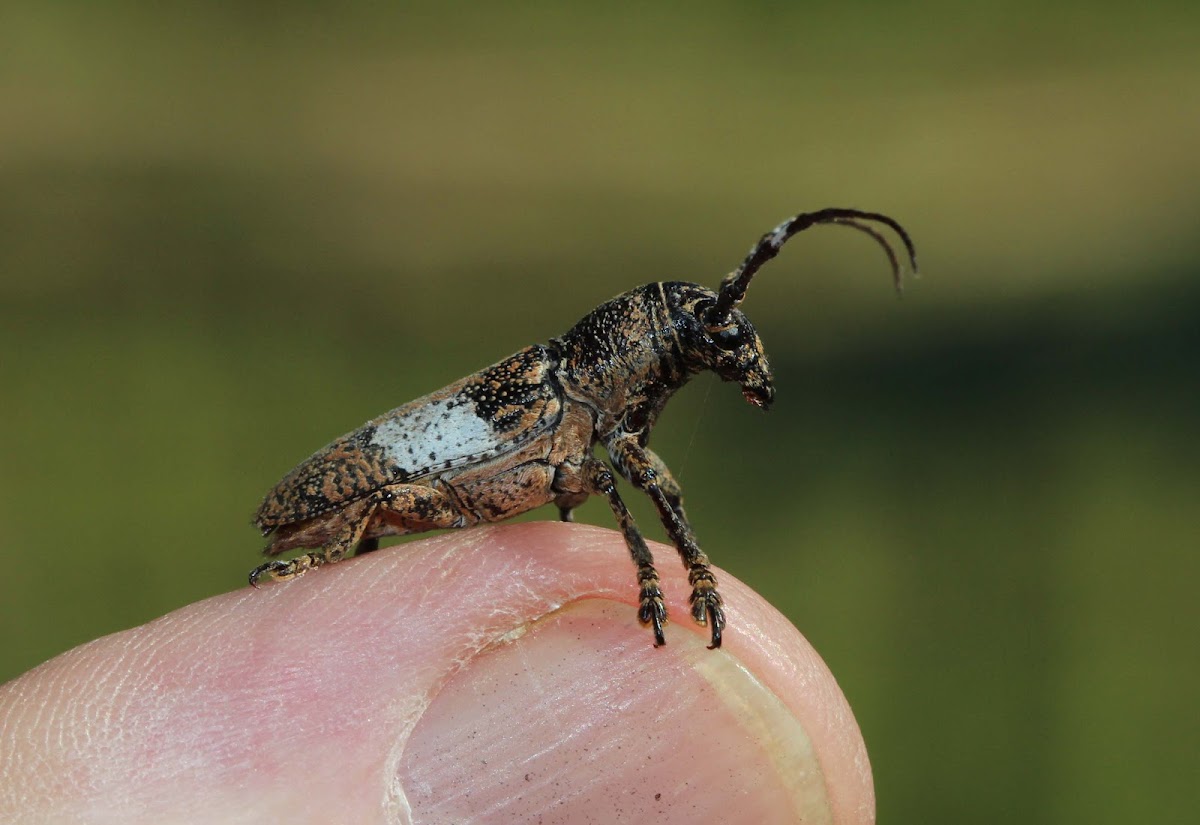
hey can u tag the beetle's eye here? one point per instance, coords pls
(727, 338)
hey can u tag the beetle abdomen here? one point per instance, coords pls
(486, 415)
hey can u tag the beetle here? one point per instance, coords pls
(520, 433)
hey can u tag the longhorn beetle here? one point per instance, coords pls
(520, 433)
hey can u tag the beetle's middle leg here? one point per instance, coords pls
(648, 472)
(567, 503)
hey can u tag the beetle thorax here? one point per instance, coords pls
(623, 359)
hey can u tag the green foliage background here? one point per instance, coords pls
(229, 233)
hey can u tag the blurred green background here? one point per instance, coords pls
(230, 233)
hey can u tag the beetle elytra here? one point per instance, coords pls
(519, 434)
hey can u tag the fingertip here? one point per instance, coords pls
(585, 718)
(392, 671)
(756, 635)
(583, 564)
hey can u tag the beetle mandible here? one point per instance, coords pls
(520, 433)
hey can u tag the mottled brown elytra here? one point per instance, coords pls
(520, 433)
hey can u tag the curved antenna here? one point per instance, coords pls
(733, 287)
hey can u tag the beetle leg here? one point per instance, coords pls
(353, 523)
(567, 503)
(410, 507)
(415, 508)
(598, 480)
(647, 472)
(671, 490)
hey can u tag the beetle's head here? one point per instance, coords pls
(719, 337)
(732, 350)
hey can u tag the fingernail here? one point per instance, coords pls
(580, 719)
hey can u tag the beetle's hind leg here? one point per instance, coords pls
(350, 525)
(406, 508)
(599, 480)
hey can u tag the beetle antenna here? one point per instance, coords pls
(897, 273)
(733, 287)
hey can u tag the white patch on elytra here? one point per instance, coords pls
(436, 435)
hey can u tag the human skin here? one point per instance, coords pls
(490, 675)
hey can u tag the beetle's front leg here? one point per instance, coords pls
(647, 472)
(596, 479)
